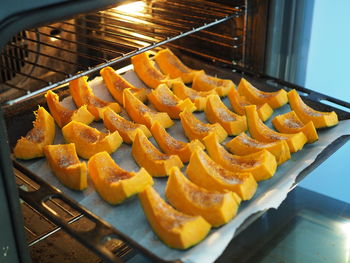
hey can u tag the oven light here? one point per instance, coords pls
(345, 228)
(132, 8)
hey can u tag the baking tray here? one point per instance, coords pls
(128, 218)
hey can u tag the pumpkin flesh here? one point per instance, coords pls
(204, 82)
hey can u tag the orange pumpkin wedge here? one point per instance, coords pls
(149, 157)
(199, 98)
(163, 99)
(243, 144)
(275, 99)
(173, 227)
(127, 129)
(205, 172)
(196, 129)
(204, 82)
(238, 103)
(42, 134)
(82, 94)
(261, 132)
(215, 207)
(171, 65)
(63, 115)
(290, 123)
(89, 141)
(142, 114)
(66, 165)
(115, 83)
(217, 112)
(262, 165)
(306, 113)
(113, 183)
(170, 145)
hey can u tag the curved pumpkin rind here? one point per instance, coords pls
(113, 183)
(195, 129)
(261, 132)
(215, 207)
(262, 165)
(149, 157)
(174, 228)
(42, 134)
(170, 145)
(217, 112)
(89, 141)
(243, 145)
(307, 114)
(290, 123)
(61, 114)
(204, 82)
(275, 99)
(205, 172)
(66, 165)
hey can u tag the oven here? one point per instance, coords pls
(44, 46)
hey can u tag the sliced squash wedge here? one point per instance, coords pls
(243, 145)
(142, 114)
(199, 98)
(173, 227)
(43, 133)
(204, 82)
(171, 65)
(215, 207)
(115, 83)
(89, 141)
(275, 99)
(261, 132)
(306, 113)
(290, 123)
(205, 172)
(113, 183)
(149, 157)
(82, 94)
(163, 99)
(170, 145)
(238, 103)
(127, 129)
(217, 112)
(196, 129)
(66, 165)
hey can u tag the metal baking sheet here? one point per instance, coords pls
(129, 218)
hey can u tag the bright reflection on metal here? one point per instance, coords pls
(132, 8)
(345, 227)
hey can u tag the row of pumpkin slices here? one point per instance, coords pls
(224, 180)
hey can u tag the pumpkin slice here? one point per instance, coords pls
(127, 129)
(173, 227)
(142, 114)
(146, 70)
(170, 145)
(238, 103)
(204, 82)
(199, 98)
(261, 132)
(113, 183)
(217, 112)
(164, 100)
(306, 113)
(290, 123)
(171, 65)
(115, 83)
(148, 156)
(274, 99)
(64, 115)
(215, 207)
(205, 172)
(195, 129)
(66, 166)
(262, 165)
(82, 94)
(89, 141)
(42, 134)
(243, 144)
